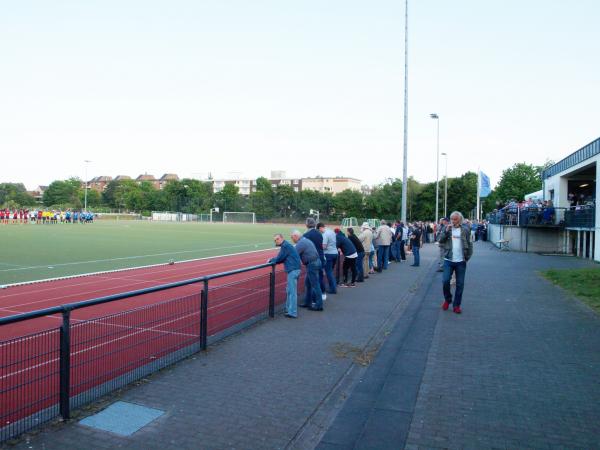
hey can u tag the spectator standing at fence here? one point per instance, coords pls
(415, 244)
(291, 263)
(384, 238)
(317, 239)
(458, 249)
(360, 251)
(366, 239)
(310, 258)
(331, 255)
(349, 251)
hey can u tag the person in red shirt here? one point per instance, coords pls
(1, 216)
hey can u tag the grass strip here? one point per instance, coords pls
(583, 283)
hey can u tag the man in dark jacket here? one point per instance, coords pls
(310, 258)
(313, 235)
(415, 243)
(360, 250)
(458, 249)
(349, 251)
(291, 262)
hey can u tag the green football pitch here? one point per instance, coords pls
(33, 252)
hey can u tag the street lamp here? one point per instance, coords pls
(86, 161)
(446, 186)
(437, 167)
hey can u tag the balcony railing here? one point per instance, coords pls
(581, 217)
(528, 217)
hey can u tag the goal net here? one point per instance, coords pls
(239, 217)
(348, 222)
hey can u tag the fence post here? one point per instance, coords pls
(65, 366)
(204, 316)
(272, 292)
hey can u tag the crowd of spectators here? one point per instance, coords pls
(362, 253)
(44, 216)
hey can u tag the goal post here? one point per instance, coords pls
(239, 217)
(348, 222)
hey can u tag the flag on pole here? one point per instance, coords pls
(484, 185)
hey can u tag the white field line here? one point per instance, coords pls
(23, 283)
(11, 265)
(124, 258)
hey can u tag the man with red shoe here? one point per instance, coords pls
(458, 249)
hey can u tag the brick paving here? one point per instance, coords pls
(518, 369)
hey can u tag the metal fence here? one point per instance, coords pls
(44, 375)
(526, 217)
(581, 217)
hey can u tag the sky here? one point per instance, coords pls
(238, 88)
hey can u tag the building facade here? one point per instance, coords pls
(334, 185)
(572, 184)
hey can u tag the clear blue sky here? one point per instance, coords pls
(310, 87)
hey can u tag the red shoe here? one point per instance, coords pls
(445, 305)
(457, 309)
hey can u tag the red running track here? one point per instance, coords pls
(112, 339)
(35, 296)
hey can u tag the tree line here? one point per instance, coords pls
(281, 202)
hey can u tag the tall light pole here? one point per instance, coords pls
(405, 159)
(437, 167)
(446, 186)
(86, 161)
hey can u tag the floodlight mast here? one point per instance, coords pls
(405, 153)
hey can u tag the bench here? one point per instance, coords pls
(502, 244)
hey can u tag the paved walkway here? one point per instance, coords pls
(384, 367)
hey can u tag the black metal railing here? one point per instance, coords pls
(581, 217)
(45, 374)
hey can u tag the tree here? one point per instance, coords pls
(65, 193)
(462, 193)
(385, 200)
(423, 208)
(285, 203)
(229, 198)
(262, 201)
(349, 203)
(94, 198)
(16, 194)
(519, 180)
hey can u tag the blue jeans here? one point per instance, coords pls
(291, 303)
(383, 254)
(371, 258)
(360, 273)
(330, 260)
(312, 285)
(459, 268)
(416, 254)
